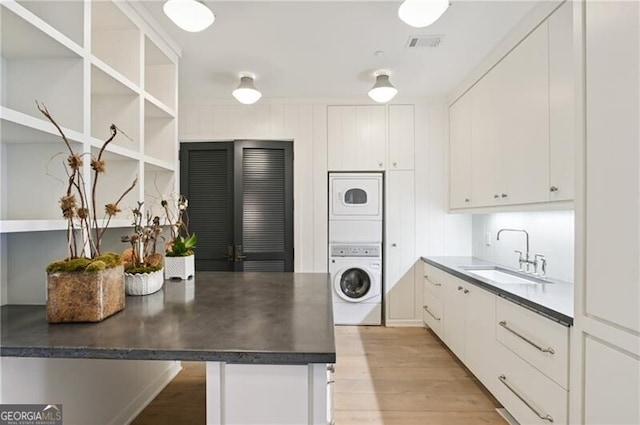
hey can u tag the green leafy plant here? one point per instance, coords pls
(181, 243)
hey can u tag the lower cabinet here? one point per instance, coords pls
(521, 357)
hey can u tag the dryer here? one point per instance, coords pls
(356, 280)
(355, 196)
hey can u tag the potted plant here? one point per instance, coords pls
(142, 264)
(88, 285)
(179, 254)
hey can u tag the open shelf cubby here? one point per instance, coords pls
(63, 15)
(36, 66)
(33, 175)
(160, 75)
(120, 173)
(158, 183)
(115, 39)
(114, 102)
(159, 134)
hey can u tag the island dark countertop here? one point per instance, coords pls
(260, 318)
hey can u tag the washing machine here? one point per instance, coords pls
(356, 278)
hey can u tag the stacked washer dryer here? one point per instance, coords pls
(355, 247)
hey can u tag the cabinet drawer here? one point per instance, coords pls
(434, 278)
(531, 397)
(538, 340)
(432, 311)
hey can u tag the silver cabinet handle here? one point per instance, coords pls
(431, 282)
(542, 416)
(395, 163)
(504, 195)
(380, 164)
(496, 196)
(549, 350)
(553, 189)
(394, 245)
(466, 291)
(460, 288)
(430, 313)
(467, 200)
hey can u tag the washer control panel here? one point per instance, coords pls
(355, 250)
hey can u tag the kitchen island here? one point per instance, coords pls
(267, 339)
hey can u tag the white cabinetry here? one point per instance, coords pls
(467, 322)
(469, 328)
(510, 117)
(401, 137)
(562, 138)
(400, 247)
(516, 122)
(356, 138)
(460, 136)
(606, 361)
(86, 86)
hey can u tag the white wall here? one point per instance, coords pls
(551, 233)
(96, 392)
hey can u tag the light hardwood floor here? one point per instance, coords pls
(384, 376)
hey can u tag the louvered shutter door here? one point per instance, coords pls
(209, 191)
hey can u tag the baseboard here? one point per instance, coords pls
(145, 397)
(404, 323)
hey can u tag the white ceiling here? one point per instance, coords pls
(325, 49)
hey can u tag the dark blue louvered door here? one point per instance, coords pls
(240, 203)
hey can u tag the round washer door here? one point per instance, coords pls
(354, 284)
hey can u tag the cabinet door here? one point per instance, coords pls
(479, 330)
(486, 152)
(399, 247)
(401, 137)
(561, 102)
(523, 77)
(356, 138)
(460, 152)
(454, 332)
(372, 137)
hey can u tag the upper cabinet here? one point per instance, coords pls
(357, 138)
(511, 133)
(561, 103)
(401, 137)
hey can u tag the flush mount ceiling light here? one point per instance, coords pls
(190, 15)
(247, 92)
(382, 91)
(422, 13)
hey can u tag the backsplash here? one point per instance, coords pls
(551, 233)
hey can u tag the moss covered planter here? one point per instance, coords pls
(143, 283)
(81, 296)
(179, 267)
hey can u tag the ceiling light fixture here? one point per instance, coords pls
(247, 92)
(190, 15)
(422, 13)
(382, 91)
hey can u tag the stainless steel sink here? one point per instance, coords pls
(502, 276)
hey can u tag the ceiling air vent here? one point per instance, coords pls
(430, 41)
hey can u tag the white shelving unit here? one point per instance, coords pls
(92, 63)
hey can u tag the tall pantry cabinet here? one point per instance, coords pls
(382, 138)
(606, 352)
(92, 63)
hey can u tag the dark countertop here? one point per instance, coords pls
(553, 299)
(261, 318)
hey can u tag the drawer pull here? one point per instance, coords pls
(542, 416)
(430, 313)
(432, 282)
(549, 350)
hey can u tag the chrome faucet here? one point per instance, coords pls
(523, 258)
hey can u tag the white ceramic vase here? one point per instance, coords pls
(143, 283)
(179, 267)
